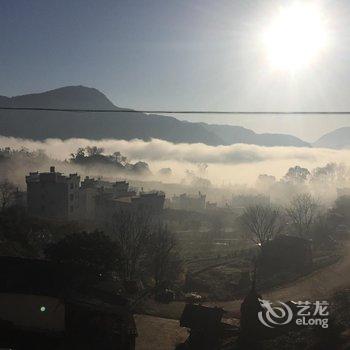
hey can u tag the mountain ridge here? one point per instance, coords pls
(40, 125)
(337, 139)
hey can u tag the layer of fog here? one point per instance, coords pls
(195, 165)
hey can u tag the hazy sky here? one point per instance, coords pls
(178, 54)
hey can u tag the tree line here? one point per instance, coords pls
(304, 217)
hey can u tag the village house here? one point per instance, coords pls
(53, 195)
(189, 202)
(56, 196)
(207, 329)
(94, 193)
(287, 253)
(150, 202)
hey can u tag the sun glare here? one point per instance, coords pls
(295, 37)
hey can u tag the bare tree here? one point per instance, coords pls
(94, 250)
(302, 213)
(7, 193)
(261, 223)
(94, 151)
(131, 231)
(164, 260)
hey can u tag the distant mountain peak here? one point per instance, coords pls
(126, 126)
(339, 138)
(77, 96)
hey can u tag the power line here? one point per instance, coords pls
(121, 110)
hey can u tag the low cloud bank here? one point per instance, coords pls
(224, 165)
(160, 150)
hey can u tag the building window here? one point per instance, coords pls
(71, 208)
(71, 197)
(71, 185)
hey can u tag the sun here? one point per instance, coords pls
(295, 37)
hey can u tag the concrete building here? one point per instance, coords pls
(189, 202)
(97, 197)
(121, 189)
(53, 195)
(87, 198)
(89, 190)
(150, 202)
(99, 200)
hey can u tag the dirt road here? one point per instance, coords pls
(318, 285)
(162, 334)
(157, 333)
